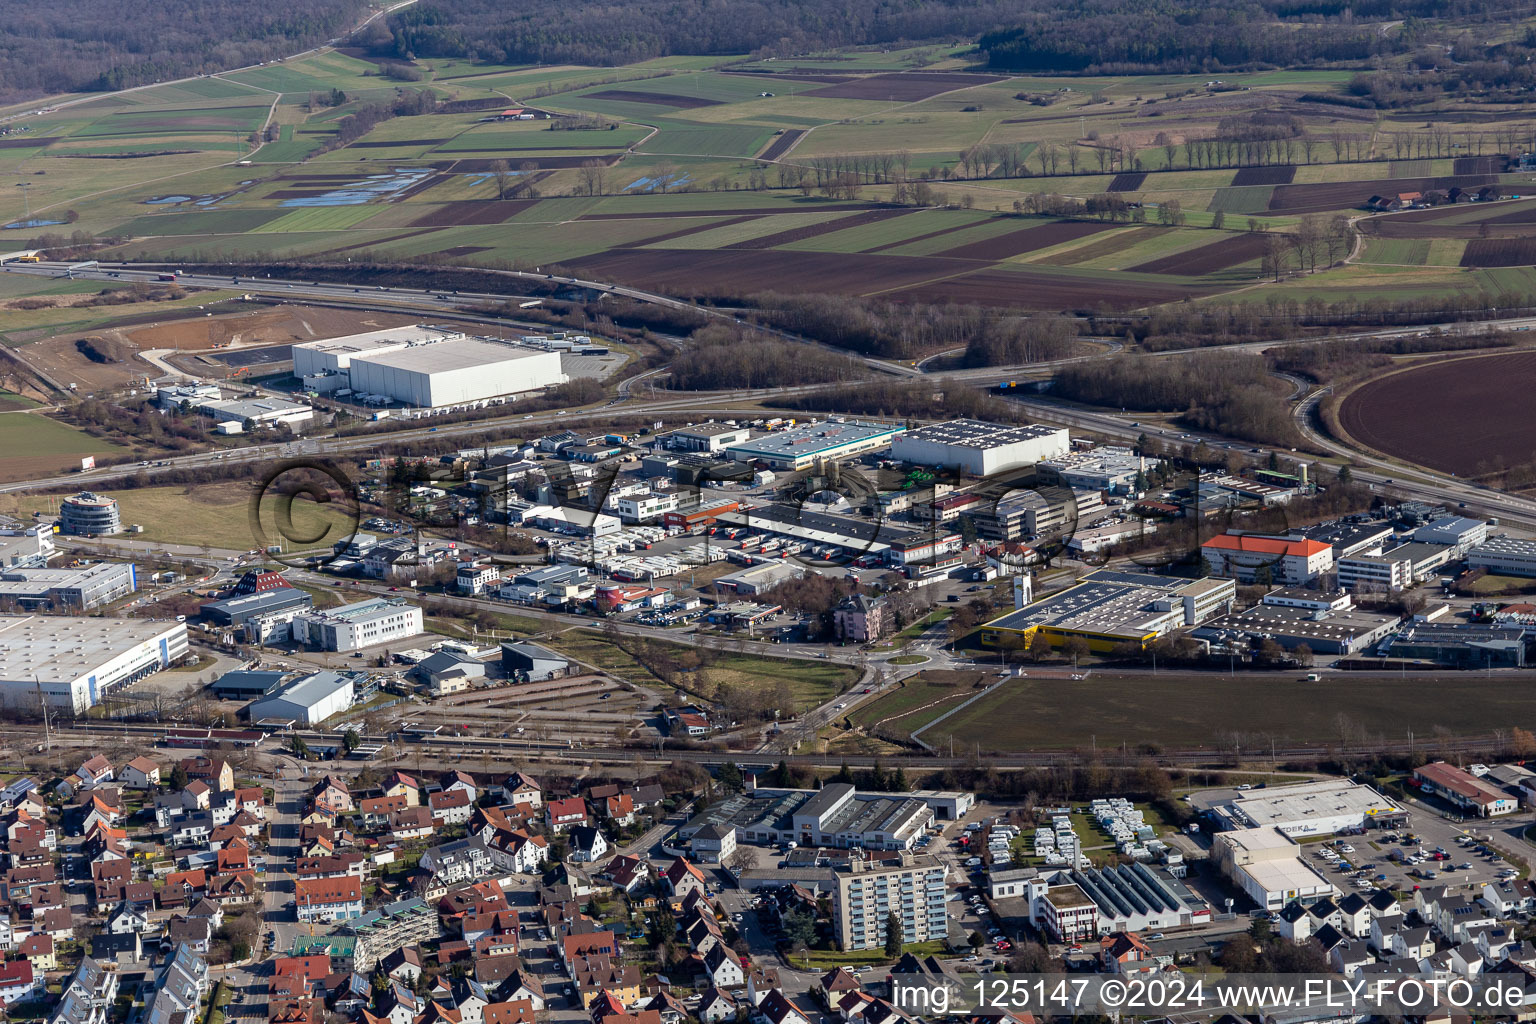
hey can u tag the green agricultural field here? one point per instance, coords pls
(491, 138)
(173, 122)
(1399, 251)
(1189, 710)
(1445, 252)
(215, 515)
(729, 140)
(11, 402)
(193, 221)
(318, 73)
(1241, 199)
(917, 701)
(35, 445)
(318, 218)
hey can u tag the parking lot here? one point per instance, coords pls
(1430, 851)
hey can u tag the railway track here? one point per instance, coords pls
(521, 749)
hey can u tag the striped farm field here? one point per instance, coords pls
(891, 233)
(734, 234)
(1110, 245)
(320, 218)
(940, 242)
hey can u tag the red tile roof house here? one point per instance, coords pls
(328, 899)
(18, 982)
(562, 814)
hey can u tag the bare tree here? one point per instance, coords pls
(593, 174)
(501, 174)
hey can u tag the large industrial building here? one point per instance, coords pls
(1267, 865)
(459, 372)
(980, 448)
(34, 589)
(1507, 556)
(804, 445)
(424, 367)
(323, 365)
(1326, 623)
(90, 515)
(73, 662)
(1107, 468)
(308, 700)
(837, 815)
(1309, 809)
(378, 620)
(849, 536)
(1108, 608)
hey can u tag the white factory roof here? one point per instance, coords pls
(60, 649)
(372, 341)
(1311, 800)
(362, 611)
(816, 437)
(255, 408)
(1259, 839)
(464, 353)
(310, 690)
(980, 433)
(1284, 875)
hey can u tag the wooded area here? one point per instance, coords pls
(629, 31)
(77, 45)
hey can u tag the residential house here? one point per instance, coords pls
(451, 806)
(776, 1008)
(619, 809)
(94, 772)
(722, 968)
(331, 794)
(563, 814)
(455, 863)
(460, 782)
(18, 982)
(682, 878)
(587, 844)
(328, 899)
(522, 792)
(715, 1005)
(140, 773)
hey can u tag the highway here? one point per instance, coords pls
(1378, 473)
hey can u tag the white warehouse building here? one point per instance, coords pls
(323, 365)
(307, 701)
(979, 447)
(73, 662)
(457, 372)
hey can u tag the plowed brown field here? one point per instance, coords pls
(1458, 416)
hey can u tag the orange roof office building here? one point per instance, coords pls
(1251, 558)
